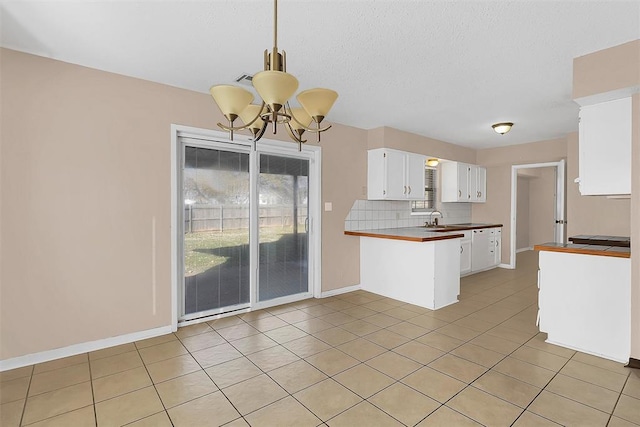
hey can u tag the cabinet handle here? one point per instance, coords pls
(405, 190)
(479, 193)
(409, 189)
(461, 249)
(459, 193)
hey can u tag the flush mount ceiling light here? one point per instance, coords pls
(502, 128)
(275, 86)
(433, 162)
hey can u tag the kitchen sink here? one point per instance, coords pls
(445, 228)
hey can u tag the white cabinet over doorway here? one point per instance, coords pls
(604, 145)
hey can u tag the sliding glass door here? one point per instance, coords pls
(245, 219)
(283, 194)
(216, 230)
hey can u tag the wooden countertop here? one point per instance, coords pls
(583, 239)
(571, 248)
(419, 234)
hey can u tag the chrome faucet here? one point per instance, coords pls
(433, 222)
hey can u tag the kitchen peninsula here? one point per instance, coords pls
(413, 265)
(416, 265)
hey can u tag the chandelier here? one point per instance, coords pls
(275, 86)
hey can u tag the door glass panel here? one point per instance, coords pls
(283, 191)
(216, 229)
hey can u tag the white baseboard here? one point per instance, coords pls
(340, 291)
(507, 266)
(530, 248)
(85, 347)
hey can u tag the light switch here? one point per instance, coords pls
(328, 206)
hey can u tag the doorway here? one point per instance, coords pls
(245, 221)
(543, 185)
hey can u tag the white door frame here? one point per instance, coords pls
(312, 152)
(560, 211)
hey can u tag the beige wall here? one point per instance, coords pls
(387, 137)
(85, 167)
(498, 162)
(522, 216)
(607, 70)
(542, 204)
(592, 214)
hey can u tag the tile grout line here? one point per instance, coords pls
(153, 384)
(26, 398)
(93, 395)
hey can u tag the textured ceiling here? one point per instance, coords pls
(442, 69)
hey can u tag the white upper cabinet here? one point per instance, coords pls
(605, 148)
(462, 182)
(395, 175)
(477, 184)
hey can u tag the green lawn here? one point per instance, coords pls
(197, 262)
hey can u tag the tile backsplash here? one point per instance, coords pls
(376, 214)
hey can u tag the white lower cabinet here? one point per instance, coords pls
(465, 253)
(496, 244)
(585, 303)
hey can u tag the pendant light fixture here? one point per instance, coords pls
(502, 128)
(275, 86)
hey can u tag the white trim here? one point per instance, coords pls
(607, 96)
(586, 351)
(339, 291)
(560, 166)
(85, 347)
(507, 266)
(173, 227)
(530, 248)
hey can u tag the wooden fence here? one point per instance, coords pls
(229, 217)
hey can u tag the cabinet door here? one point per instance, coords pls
(449, 182)
(604, 146)
(463, 182)
(498, 247)
(395, 186)
(465, 256)
(415, 176)
(375, 174)
(480, 190)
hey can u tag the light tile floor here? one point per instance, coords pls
(352, 360)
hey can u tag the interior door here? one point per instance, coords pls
(283, 215)
(560, 221)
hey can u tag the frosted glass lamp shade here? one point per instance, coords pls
(300, 120)
(502, 128)
(317, 102)
(232, 100)
(275, 87)
(249, 114)
(432, 162)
